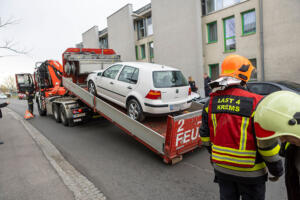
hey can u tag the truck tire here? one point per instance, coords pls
(92, 88)
(56, 113)
(135, 111)
(42, 112)
(63, 116)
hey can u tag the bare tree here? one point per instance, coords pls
(9, 84)
(10, 45)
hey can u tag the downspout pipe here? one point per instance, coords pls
(261, 34)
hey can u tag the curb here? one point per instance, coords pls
(79, 185)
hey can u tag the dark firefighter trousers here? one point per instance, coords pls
(30, 105)
(231, 190)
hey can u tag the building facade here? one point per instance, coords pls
(196, 35)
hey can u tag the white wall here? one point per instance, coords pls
(178, 36)
(90, 38)
(121, 33)
(281, 39)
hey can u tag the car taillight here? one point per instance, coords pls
(153, 95)
(190, 91)
(76, 111)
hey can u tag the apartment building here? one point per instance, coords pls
(196, 35)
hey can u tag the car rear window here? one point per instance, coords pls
(167, 79)
(290, 85)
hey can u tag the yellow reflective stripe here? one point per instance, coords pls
(287, 145)
(205, 139)
(242, 153)
(206, 109)
(230, 159)
(255, 168)
(244, 127)
(253, 114)
(251, 152)
(213, 117)
(272, 152)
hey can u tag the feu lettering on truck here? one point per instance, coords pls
(187, 134)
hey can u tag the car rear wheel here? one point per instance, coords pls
(135, 111)
(92, 88)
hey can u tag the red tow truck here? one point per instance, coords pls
(170, 137)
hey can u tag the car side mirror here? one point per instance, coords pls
(99, 74)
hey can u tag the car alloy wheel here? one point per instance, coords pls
(92, 88)
(135, 111)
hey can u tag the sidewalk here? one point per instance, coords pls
(25, 173)
(32, 168)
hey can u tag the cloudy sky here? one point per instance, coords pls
(47, 27)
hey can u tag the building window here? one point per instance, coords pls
(151, 51)
(214, 5)
(214, 71)
(249, 22)
(141, 29)
(103, 43)
(137, 52)
(229, 34)
(254, 72)
(212, 33)
(143, 52)
(149, 26)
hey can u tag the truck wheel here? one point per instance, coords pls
(63, 116)
(92, 88)
(42, 112)
(135, 111)
(56, 113)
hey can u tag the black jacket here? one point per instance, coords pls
(206, 86)
(193, 86)
(1, 106)
(291, 173)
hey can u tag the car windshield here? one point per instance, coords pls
(290, 85)
(167, 79)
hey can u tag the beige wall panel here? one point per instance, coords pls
(121, 33)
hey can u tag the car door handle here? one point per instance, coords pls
(111, 83)
(129, 87)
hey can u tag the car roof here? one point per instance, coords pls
(277, 83)
(149, 66)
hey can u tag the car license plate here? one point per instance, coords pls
(176, 107)
(79, 115)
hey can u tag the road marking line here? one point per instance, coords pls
(81, 187)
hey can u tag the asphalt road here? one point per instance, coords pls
(125, 169)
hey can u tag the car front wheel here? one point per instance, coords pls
(135, 111)
(92, 88)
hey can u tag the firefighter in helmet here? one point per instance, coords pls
(278, 115)
(240, 161)
(30, 96)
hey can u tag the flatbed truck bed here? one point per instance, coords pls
(170, 137)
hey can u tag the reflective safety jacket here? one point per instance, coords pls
(228, 132)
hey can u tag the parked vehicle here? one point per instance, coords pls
(3, 96)
(63, 93)
(21, 96)
(268, 87)
(142, 88)
(201, 100)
